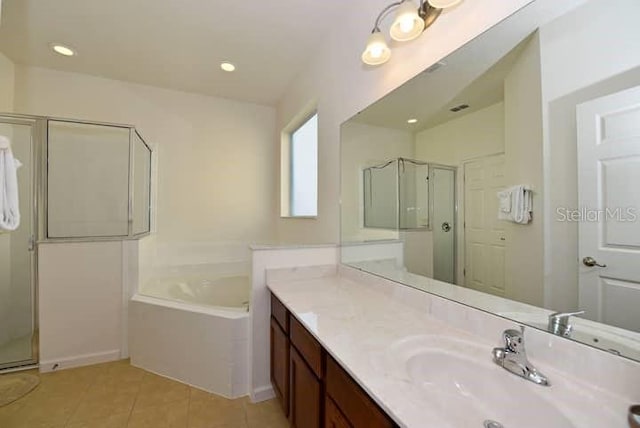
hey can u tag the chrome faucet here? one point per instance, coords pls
(513, 358)
(559, 323)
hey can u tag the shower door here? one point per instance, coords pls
(18, 341)
(443, 206)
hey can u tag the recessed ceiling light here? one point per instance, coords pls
(412, 121)
(63, 50)
(227, 66)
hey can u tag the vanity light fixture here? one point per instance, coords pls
(228, 67)
(62, 49)
(408, 24)
(412, 121)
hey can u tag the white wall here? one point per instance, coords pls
(7, 82)
(216, 160)
(523, 165)
(579, 62)
(363, 146)
(340, 85)
(473, 135)
(80, 299)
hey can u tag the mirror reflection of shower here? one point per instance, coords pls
(416, 199)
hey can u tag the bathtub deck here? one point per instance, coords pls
(117, 395)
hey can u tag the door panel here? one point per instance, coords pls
(305, 393)
(609, 230)
(444, 225)
(280, 365)
(17, 257)
(484, 234)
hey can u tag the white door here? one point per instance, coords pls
(484, 237)
(609, 200)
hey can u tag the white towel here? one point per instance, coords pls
(9, 204)
(504, 198)
(516, 204)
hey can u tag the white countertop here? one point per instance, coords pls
(357, 324)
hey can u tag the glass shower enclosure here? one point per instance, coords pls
(79, 181)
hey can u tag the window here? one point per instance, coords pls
(300, 198)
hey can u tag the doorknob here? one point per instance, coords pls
(446, 226)
(591, 262)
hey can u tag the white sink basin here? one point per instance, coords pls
(462, 387)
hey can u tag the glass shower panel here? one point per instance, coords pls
(381, 196)
(141, 185)
(88, 180)
(414, 191)
(17, 258)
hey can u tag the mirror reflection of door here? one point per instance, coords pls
(17, 258)
(609, 201)
(484, 255)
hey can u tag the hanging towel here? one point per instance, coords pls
(504, 208)
(516, 204)
(9, 206)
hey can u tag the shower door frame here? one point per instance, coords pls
(38, 132)
(454, 170)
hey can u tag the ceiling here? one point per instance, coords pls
(173, 44)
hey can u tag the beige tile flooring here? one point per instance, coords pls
(117, 395)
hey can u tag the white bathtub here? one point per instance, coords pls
(194, 329)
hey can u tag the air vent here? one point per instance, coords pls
(459, 108)
(435, 66)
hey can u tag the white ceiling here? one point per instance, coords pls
(177, 44)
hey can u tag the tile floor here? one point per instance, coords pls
(117, 395)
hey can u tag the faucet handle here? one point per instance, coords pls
(564, 315)
(514, 340)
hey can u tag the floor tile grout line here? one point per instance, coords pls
(67, 422)
(133, 406)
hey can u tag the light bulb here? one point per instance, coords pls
(443, 4)
(407, 24)
(377, 52)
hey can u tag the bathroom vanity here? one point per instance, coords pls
(313, 389)
(355, 350)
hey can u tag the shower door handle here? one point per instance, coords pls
(446, 226)
(32, 243)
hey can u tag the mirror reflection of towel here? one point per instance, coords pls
(9, 203)
(516, 204)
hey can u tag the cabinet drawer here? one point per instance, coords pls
(279, 312)
(333, 417)
(307, 345)
(355, 404)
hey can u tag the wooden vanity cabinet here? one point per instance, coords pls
(315, 391)
(305, 394)
(280, 349)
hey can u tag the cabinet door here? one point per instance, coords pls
(305, 394)
(280, 364)
(333, 417)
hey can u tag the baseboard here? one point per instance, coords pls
(79, 361)
(262, 393)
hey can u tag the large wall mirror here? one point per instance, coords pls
(507, 175)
